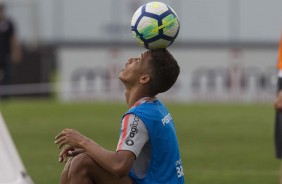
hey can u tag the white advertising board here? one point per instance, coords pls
(247, 75)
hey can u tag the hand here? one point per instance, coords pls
(63, 157)
(70, 137)
(278, 102)
(68, 151)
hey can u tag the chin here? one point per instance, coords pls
(121, 77)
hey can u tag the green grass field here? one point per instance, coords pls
(220, 143)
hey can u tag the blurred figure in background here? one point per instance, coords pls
(278, 108)
(9, 48)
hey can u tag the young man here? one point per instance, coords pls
(278, 109)
(147, 152)
(9, 48)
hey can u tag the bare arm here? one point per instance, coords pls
(16, 54)
(116, 163)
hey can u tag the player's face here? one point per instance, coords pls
(135, 68)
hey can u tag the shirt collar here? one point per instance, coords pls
(143, 100)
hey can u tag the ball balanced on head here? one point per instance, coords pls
(155, 25)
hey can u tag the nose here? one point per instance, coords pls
(129, 60)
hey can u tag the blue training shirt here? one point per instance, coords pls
(165, 165)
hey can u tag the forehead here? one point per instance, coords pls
(145, 59)
(145, 55)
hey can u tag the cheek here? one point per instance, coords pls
(124, 75)
(129, 76)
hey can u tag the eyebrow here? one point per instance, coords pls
(141, 57)
(144, 53)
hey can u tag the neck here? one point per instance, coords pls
(133, 95)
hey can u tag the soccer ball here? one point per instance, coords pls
(155, 25)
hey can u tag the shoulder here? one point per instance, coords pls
(148, 104)
(133, 135)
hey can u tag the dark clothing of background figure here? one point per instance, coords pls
(278, 126)
(6, 33)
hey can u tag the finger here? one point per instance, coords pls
(62, 154)
(63, 157)
(66, 159)
(75, 152)
(78, 151)
(59, 135)
(61, 139)
(64, 150)
(62, 144)
(60, 159)
(62, 133)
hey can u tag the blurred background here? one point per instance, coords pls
(72, 51)
(227, 49)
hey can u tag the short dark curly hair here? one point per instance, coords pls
(164, 71)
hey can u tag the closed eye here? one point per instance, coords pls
(137, 59)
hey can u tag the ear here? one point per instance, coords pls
(144, 79)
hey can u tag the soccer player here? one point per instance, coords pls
(278, 107)
(147, 151)
(9, 48)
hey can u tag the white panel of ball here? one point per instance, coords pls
(156, 8)
(137, 14)
(161, 43)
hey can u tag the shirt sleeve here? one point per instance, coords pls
(133, 135)
(279, 64)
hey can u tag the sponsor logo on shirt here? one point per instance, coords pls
(166, 119)
(179, 168)
(133, 131)
(129, 142)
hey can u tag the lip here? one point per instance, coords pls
(124, 66)
(122, 69)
